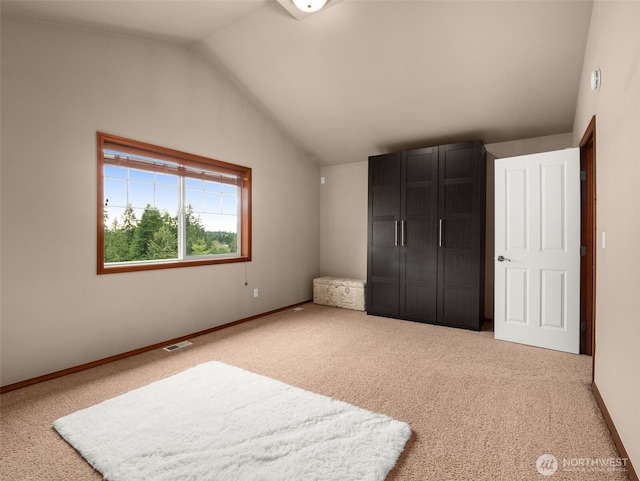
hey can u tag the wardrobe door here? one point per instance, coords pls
(383, 263)
(418, 235)
(461, 234)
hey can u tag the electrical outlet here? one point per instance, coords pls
(255, 292)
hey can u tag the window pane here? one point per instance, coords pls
(140, 175)
(194, 183)
(113, 216)
(140, 194)
(167, 179)
(229, 189)
(115, 171)
(115, 192)
(212, 202)
(212, 186)
(138, 213)
(118, 234)
(156, 237)
(229, 204)
(219, 222)
(194, 198)
(167, 198)
(210, 234)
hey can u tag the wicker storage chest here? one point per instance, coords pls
(340, 292)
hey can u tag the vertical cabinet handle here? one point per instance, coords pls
(395, 242)
(440, 233)
(403, 226)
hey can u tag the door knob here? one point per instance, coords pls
(503, 258)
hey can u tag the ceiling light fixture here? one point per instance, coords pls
(309, 6)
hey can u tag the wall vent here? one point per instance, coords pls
(178, 345)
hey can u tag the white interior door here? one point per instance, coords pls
(537, 250)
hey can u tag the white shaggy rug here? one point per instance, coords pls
(219, 422)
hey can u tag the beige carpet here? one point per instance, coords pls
(479, 409)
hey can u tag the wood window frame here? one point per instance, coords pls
(188, 164)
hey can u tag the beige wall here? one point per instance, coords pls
(614, 47)
(343, 220)
(61, 85)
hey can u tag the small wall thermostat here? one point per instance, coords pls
(596, 79)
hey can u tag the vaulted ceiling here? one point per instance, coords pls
(363, 77)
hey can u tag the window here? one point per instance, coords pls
(159, 208)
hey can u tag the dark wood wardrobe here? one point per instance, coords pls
(426, 226)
